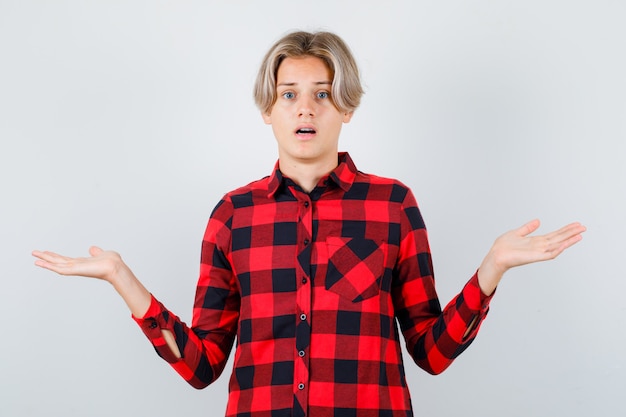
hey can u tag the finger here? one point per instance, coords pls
(52, 266)
(95, 251)
(566, 244)
(54, 262)
(566, 232)
(50, 256)
(528, 228)
(39, 254)
(558, 241)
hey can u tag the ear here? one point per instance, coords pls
(347, 117)
(267, 118)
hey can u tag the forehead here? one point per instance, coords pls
(303, 69)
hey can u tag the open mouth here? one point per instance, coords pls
(305, 131)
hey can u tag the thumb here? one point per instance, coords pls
(95, 251)
(529, 227)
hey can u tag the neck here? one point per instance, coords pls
(306, 175)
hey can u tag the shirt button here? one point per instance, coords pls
(301, 353)
(306, 204)
(300, 386)
(304, 280)
(302, 316)
(153, 324)
(306, 242)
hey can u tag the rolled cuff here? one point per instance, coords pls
(156, 319)
(474, 296)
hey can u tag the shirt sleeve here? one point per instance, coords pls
(434, 337)
(206, 345)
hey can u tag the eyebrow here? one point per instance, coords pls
(291, 84)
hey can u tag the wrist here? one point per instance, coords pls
(489, 275)
(136, 296)
(120, 275)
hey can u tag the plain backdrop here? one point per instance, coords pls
(122, 123)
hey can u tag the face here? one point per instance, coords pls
(304, 119)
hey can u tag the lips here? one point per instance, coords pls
(306, 131)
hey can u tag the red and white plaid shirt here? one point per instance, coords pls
(310, 286)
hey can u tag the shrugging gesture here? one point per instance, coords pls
(514, 248)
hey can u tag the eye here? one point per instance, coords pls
(322, 94)
(288, 95)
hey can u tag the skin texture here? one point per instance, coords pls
(303, 101)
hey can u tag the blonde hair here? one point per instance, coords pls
(346, 90)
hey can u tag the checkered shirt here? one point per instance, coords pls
(315, 288)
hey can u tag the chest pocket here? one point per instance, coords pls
(355, 267)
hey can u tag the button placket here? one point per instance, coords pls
(303, 296)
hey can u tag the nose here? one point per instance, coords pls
(306, 106)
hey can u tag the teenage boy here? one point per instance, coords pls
(311, 268)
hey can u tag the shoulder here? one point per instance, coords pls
(249, 194)
(379, 187)
(242, 197)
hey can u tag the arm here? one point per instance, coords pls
(198, 353)
(434, 337)
(107, 266)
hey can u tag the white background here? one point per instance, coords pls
(123, 122)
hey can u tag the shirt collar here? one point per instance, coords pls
(343, 176)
